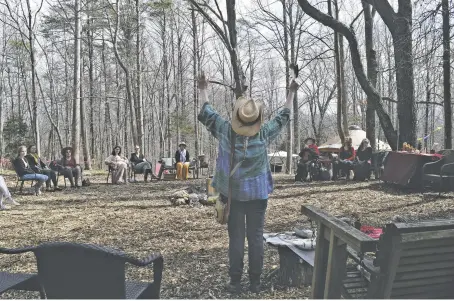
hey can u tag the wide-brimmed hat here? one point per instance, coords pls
(307, 139)
(247, 117)
(63, 150)
(182, 143)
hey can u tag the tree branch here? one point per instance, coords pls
(430, 103)
(356, 18)
(213, 25)
(389, 99)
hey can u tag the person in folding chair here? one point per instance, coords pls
(24, 170)
(5, 194)
(119, 165)
(141, 165)
(182, 162)
(243, 176)
(69, 168)
(39, 166)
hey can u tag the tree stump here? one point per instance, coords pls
(293, 271)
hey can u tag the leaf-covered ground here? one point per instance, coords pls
(139, 219)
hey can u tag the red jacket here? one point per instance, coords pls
(315, 148)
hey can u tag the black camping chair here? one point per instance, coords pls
(85, 271)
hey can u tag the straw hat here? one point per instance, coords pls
(247, 117)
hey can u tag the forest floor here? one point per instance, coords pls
(139, 219)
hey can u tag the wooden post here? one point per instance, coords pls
(337, 260)
(320, 263)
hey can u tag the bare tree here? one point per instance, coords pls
(371, 92)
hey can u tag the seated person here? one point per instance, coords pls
(68, 167)
(363, 161)
(308, 154)
(182, 162)
(39, 166)
(119, 166)
(5, 194)
(347, 155)
(310, 142)
(140, 164)
(25, 172)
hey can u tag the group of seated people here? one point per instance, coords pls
(29, 166)
(359, 161)
(119, 164)
(348, 159)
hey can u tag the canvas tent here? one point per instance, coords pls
(357, 134)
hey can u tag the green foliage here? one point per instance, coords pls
(16, 133)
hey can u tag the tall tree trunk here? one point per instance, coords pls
(371, 69)
(195, 50)
(288, 162)
(297, 143)
(91, 82)
(76, 132)
(107, 117)
(340, 128)
(83, 127)
(139, 98)
(344, 86)
(447, 75)
(31, 40)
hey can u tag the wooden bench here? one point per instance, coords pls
(411, 260)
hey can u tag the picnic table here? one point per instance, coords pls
(405, 168)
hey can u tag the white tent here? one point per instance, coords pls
(278, 158)
(280, 154)
(334, 143)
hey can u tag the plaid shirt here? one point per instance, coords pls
(253, 180)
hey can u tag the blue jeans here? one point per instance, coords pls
(246, 219)
(39, 178)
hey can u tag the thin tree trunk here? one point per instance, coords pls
(288, 163)
(35, 122)
(371, 69)
(107, 118)
(83, 128)
(340, 128)
(139, 100)
(195, 50)
(91, 83)
(447, 75)
(296, 141)
(76, 89)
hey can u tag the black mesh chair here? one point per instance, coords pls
(84, 271)
(19, 281)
